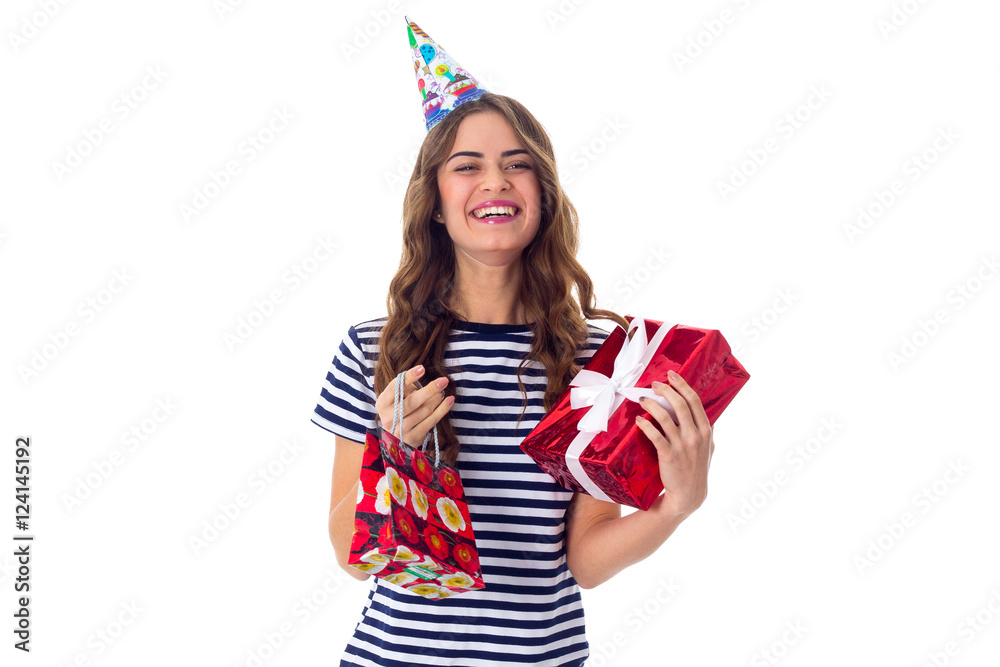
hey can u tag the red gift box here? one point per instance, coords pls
(589, 441)
(411, 526)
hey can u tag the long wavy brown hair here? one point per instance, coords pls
(421, 293)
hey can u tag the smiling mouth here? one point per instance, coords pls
(496, 212)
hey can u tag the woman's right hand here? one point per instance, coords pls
(423, 407)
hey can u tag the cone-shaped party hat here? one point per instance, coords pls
(442, 83)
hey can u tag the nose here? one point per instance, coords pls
(494, 180)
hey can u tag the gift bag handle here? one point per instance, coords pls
(397, 411)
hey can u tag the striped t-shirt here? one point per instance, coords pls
(530, 612)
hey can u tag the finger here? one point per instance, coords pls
(411, 381)
(431, 393)
(440, 409)
(421, 404)
(427, 424)
(685, 421)
(654, 434)
(384, 404)
(661, 415)
(696, 409)
(667, 427)
(412, 384)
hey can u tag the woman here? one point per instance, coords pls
(481, 312)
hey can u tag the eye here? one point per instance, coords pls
(466, 167)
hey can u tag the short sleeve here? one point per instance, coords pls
(346, 404)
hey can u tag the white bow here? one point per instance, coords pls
(591, 388)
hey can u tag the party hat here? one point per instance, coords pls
(442, 83)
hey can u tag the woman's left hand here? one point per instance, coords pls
(684, 448)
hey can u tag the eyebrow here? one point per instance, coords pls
(514, 151)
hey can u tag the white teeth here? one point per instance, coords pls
(505, 210)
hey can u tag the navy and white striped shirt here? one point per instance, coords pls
(530, 612)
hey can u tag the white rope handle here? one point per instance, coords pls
(397, 410)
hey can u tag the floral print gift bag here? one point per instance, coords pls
(411, 526)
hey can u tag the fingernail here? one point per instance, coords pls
(672, 375)
(419, 370)
(441, 382)
(657, 385)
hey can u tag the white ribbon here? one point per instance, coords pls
(605, 394)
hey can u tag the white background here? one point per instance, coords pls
(815, 313)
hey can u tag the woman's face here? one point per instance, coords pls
(488, 163)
